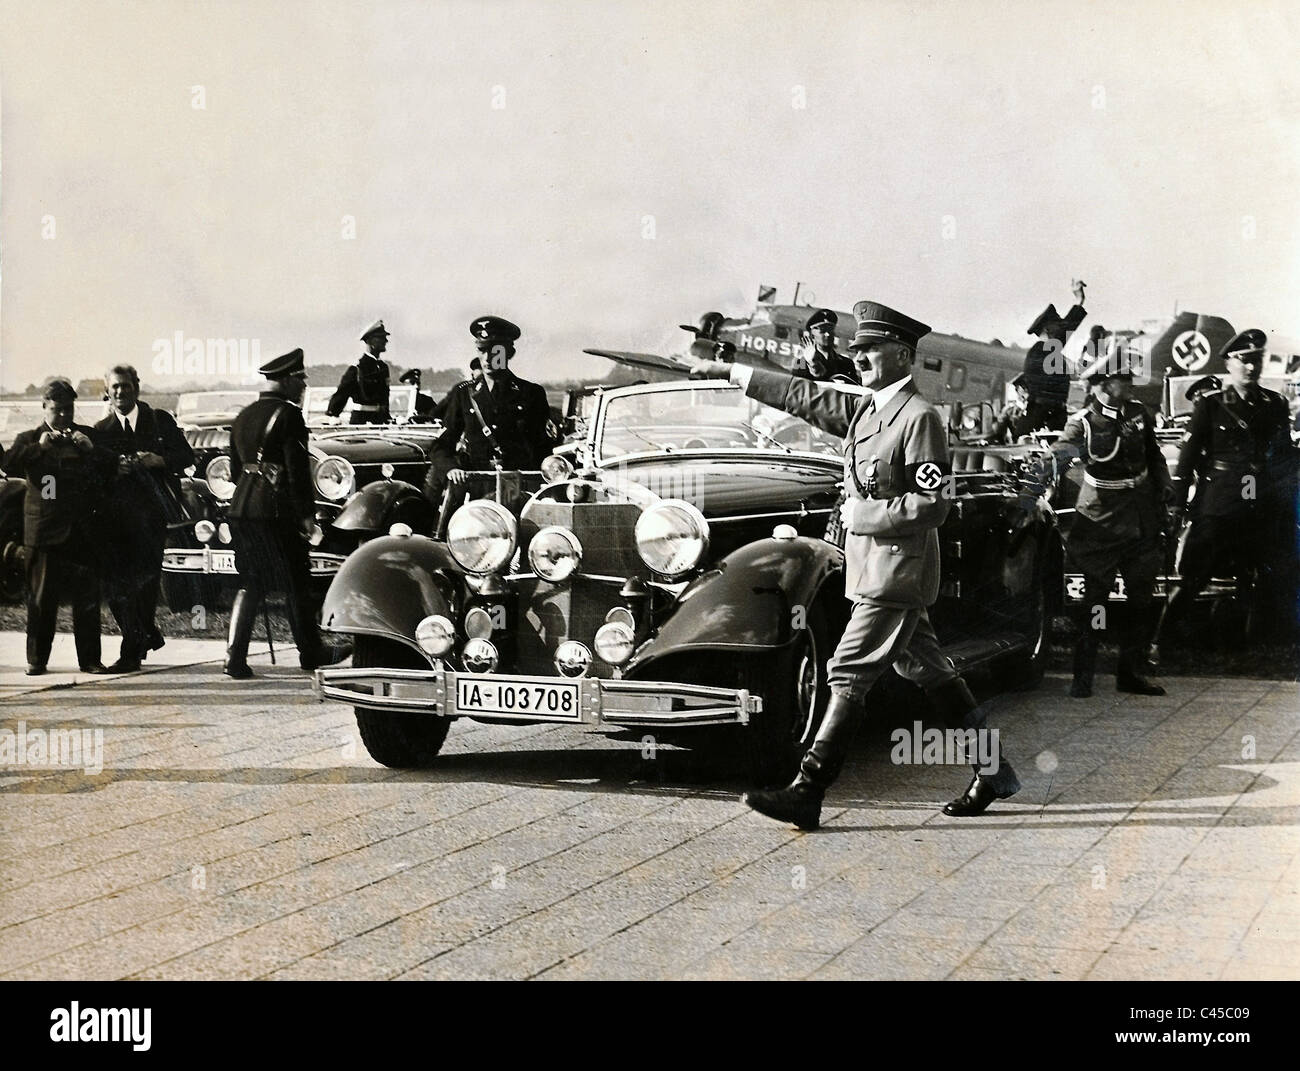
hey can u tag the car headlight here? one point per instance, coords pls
(481, 536)
(204, 530)
(614, 642)
(672, 537)
(335, 479)
(555, 554)
(435, 635)
(224, 533)
(218, 476)
(556, 468)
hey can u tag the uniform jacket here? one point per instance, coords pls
(286, 446)
(1041, 383)
(1229, 439)
(155, 432)
(900, 457)
(365, 383)
(74, 484)
(1117, 444)
(515, 410)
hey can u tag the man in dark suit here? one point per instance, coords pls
(499, 420)
(895, 469)
(821, 361)
(366, 382)
(272, 513)
(1046, 375)
(66, 477)
(1239, 457)
(152, 454)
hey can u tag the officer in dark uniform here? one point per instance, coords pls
(152, 455)
(67, 475)
(366, 382)
(821, 361)
(439, 411)
(1047, 379)
(1119, 518)
(896, 467)
(1239, 455)
(423, 402)
(501, 420)
(1011, 424)
(272, 513)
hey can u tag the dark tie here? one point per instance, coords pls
(129, 433)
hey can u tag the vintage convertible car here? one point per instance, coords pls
(367, 477)
(678, 579)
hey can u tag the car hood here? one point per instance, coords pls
(369, 449)
(722, 486)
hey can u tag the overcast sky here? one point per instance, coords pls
(601, 172)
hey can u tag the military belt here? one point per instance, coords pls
(1115, 485)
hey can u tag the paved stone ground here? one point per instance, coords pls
(239, 830)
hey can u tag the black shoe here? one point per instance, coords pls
(977, 797)
(34, 670)
(1081, 687)
(154, 641)
(325, 655)
(1128, 681)
(98, 667)
(240, 671)
(124, 665)
(800, 804)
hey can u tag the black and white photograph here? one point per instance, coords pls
(727, 491)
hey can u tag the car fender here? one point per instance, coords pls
(387, 586)
(753, 599)
(372, 508)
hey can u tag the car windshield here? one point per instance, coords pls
(704, 418)
(401, 402)
(222, 401)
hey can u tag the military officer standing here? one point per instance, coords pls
(66, 477)
(366, 382)
(1046, 376)
(151, 454)
(272, 513)
(821, 361)
(896, 466)
(423, 402)
(1239, 454)
(1119, 519)
(499, 420)
(1010, 424)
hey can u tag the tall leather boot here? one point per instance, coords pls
(1085, 663)
(1132, 652)
(243, 615)
(800, 802)
(959, 710)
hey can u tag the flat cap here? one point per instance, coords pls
(1203, 386)
(59, 390)
(376, 328)
(493, 329)
(411, 375)
(822, 318)
(877, 322)
(1248, 343)
(284, 366)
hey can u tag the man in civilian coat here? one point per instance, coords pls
(895, 470)
(66, 476)
(151, 454)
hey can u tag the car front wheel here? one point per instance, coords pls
(402, 741)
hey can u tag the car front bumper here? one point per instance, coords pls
(602, 702)
(220, 561)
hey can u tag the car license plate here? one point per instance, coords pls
(518, 697)
(222, 561)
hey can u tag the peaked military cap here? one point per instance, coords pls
(1048, 318)
(724, 350)
(1203, 386)
(411, 376)
(877, 322)
(1246, 344)
(376, 328)
(59, 390)
(1018, 380)
(822, 318)
(284, 366)
(493, 329)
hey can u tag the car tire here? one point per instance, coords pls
(795, 691)
(401, 741)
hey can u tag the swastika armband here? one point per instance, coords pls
(927, 476)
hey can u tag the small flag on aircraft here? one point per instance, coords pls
(766, 294)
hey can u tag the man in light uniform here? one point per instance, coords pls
(896, 469)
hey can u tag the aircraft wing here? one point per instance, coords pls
(644, 360)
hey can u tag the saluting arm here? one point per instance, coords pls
(915, 500)
(818, 403)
